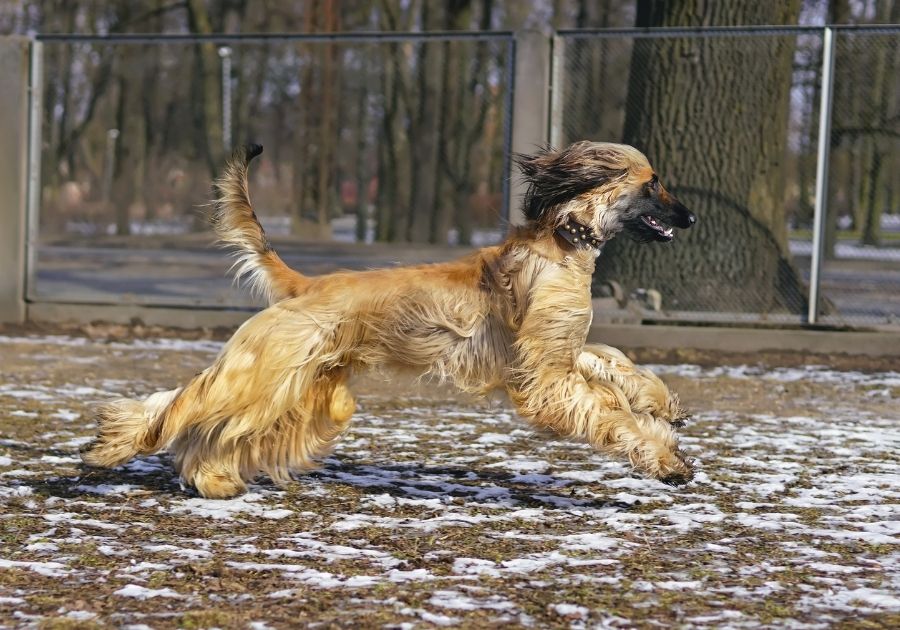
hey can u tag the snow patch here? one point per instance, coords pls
(142, 592)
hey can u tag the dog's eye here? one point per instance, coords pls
(653, 184)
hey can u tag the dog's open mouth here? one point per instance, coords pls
(662, 231)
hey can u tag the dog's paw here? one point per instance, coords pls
(677, 479)
(675, 469)
(681, 421)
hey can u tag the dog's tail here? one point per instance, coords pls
(237, 227)
(127, 428)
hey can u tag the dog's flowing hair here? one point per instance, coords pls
(513, 317)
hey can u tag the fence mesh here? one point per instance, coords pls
(374, 144)
(861, 268)
(730, 120)
(366, 142)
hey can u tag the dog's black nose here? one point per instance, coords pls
(681, 216)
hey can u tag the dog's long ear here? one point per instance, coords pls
(557, 176)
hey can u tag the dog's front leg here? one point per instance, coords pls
(599, 413)
(646, 393)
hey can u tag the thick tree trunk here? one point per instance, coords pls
(711, 115)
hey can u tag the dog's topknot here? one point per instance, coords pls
(556, 176)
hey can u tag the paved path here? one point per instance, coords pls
(865, 291)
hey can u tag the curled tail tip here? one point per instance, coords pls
(243, 155)
(251, 151)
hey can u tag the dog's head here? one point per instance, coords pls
(610, 187)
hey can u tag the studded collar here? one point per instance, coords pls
(579, 235)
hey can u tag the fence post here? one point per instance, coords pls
(531, 107)
(557, 89)
(824, 148)
(13, 175)
(225, 54)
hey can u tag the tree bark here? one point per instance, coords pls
(207, 89)
(424, 131)
(328, 133)
(711, 115)
(361, 166)
(878, 103)
(393, 173)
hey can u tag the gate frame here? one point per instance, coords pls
(14, 101)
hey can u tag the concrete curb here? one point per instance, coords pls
(126, 314)
(627, 336)
(874, 344)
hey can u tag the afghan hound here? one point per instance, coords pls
(512, 317)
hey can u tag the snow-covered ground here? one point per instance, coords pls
(439, 511)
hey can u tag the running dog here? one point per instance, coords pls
(513, 317)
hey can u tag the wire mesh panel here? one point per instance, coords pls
(370, 142)
(728, 119)
(861, 248)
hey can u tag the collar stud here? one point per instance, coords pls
(579, 235)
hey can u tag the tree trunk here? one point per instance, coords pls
(118, 198)
(454, 144)
(711, 114)
(424, 130)
(393, 167)
(303, 145)
(328, 134)
(878, 104)
(390, 212)
(466, 102)
(207, 89)
(361, 170)
(838, 13)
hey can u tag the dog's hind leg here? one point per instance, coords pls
(265, 370)
(219, 468)
(646, 393)
(295, 441)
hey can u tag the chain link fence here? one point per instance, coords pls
(730, 118)
(394, 148)
(370, 141)
(861, 244)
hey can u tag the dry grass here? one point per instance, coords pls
(439, 510)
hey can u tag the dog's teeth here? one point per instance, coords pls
(668, 232)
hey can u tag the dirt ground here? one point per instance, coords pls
(437, 510)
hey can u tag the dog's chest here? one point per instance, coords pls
(559, 311)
